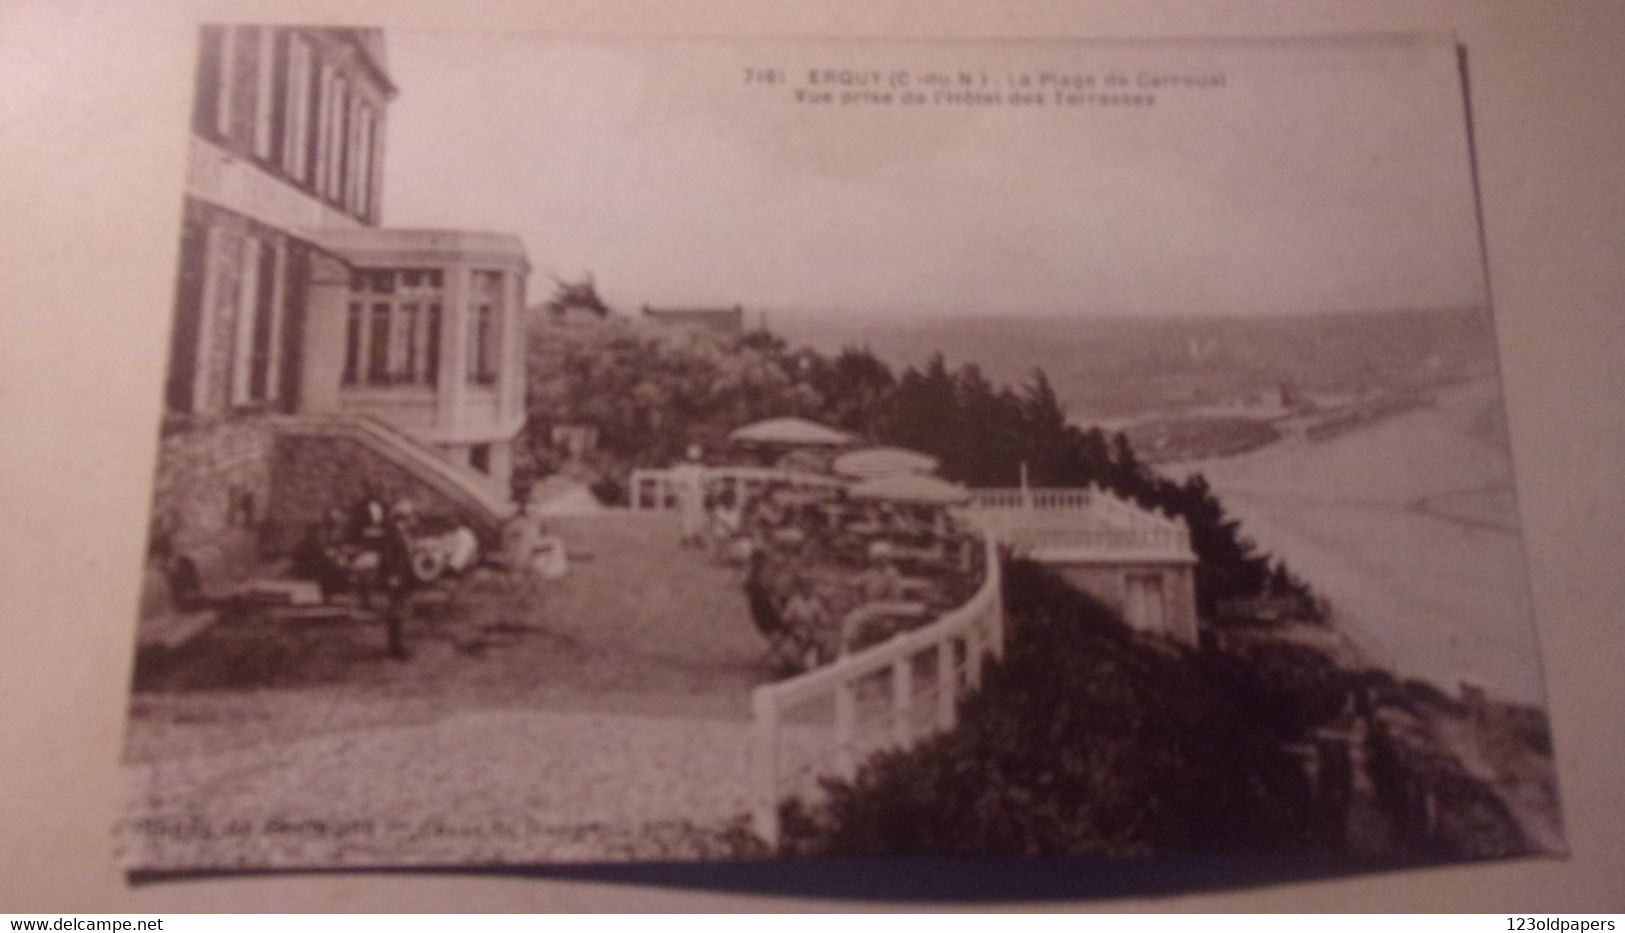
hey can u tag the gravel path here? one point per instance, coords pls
(485, 787)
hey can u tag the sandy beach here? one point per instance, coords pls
(1409, 527)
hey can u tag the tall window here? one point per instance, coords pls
(378, 353)
(337, 161)
(296, 116)
(332, 141)
(361, 164)
(352, 150)
(186, 333)
(321, 125)
(264, 74)
(227, 82)
(431, 346)
(262, 360)
(485, 328)
(403, 348)
(352, 345)
(254, 323)
(480, 368)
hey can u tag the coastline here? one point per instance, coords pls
(1407, 524)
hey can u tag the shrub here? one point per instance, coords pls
(1083, 740)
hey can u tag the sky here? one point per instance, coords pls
(1323, 175)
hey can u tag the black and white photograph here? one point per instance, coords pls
(583, 451)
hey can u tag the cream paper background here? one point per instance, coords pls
(93, 103)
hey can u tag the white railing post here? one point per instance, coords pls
(902, 694)
(998, 625)
(764, 768)
(846, 727)
(947, 685)
(973, 657)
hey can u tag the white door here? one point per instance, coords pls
(1145, 603)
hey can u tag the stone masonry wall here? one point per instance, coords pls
(230, 492)
(210, 498)
(213, 478)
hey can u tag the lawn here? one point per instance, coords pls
(639, 625)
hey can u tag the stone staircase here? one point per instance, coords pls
(318, 455)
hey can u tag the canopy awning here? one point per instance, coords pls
(790, 432)
(911, 487)
(874, 462)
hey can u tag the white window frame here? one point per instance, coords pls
(324, 85)
(339, 92)
(279, 285)
(489, 350)
(361, 158)
(296, 103)
(243, 321)
(228, 66)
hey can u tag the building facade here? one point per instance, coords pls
(1138, 563)
(292, 299)
(287, 140)
(427, 334)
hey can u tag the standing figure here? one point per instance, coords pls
(521, 538)
(808, 617)
(688, 481)
(367, 518)
(395, 575)
(728, 539)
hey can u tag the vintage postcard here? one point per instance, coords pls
(607, 451)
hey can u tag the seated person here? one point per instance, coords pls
(367, 527)
(881, 581)
(804, 609)
(727, 527)
(463, 549)
(521, 534)
(551, 560)
(807, 616)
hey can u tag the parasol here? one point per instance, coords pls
(873, 462)
(911, 487)
(790, 432)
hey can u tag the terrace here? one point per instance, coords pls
(632, 709)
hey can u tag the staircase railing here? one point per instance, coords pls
(481, 501)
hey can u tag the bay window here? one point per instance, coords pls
(392, 335)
